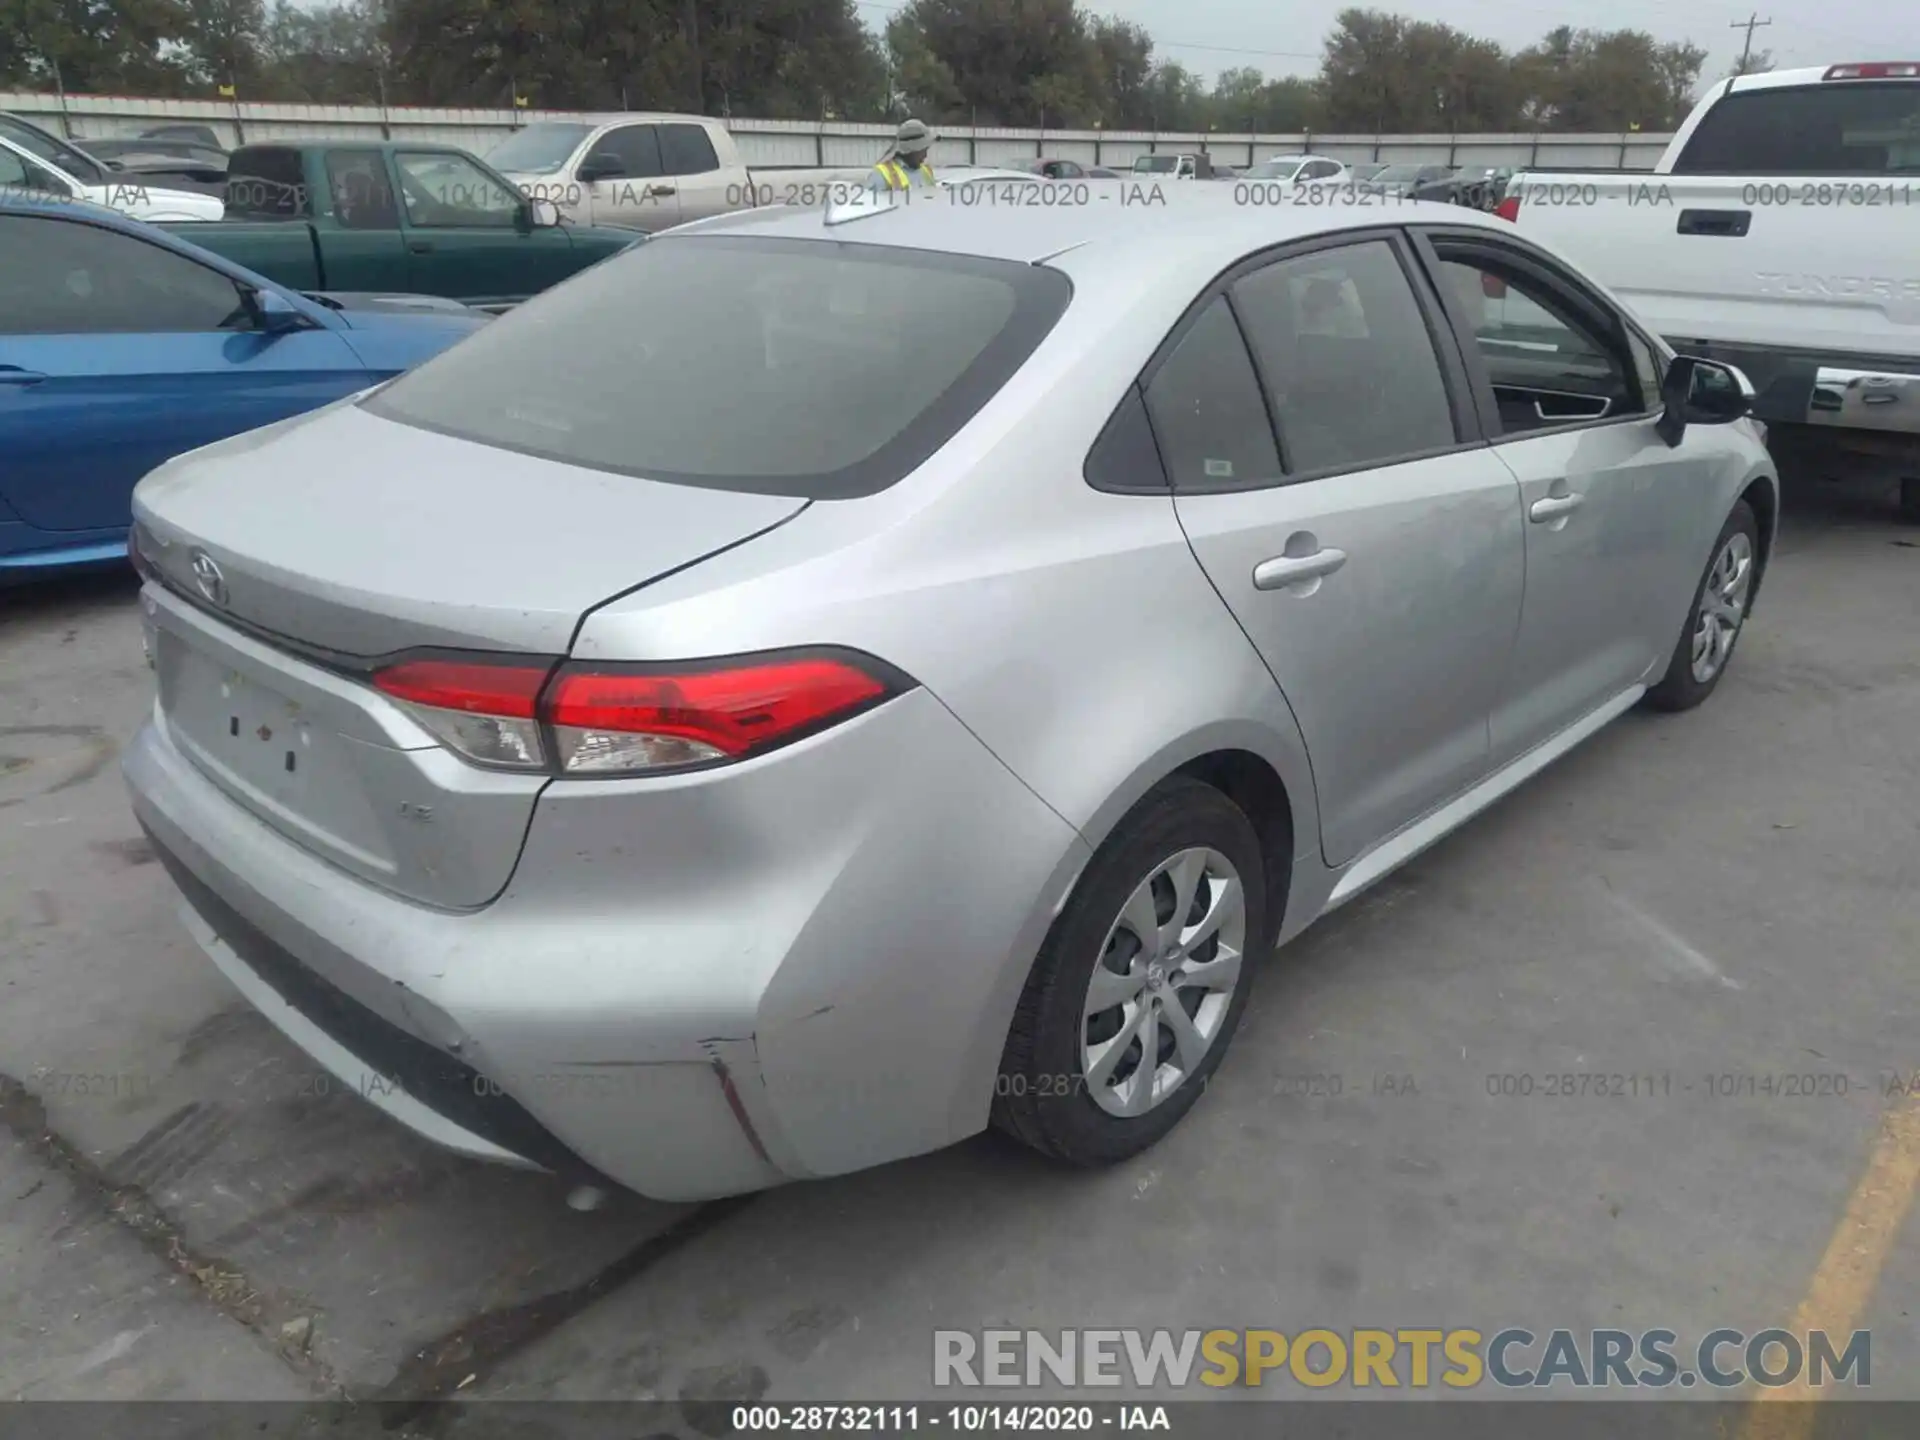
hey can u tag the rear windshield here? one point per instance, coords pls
(266, 183)
(1839, 127)
(788, 367)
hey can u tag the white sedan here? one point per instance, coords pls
(20, 170)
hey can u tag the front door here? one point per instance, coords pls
(116, 354)
(1374, 554)
(1574, 396)
(626, 181)
(469, 235)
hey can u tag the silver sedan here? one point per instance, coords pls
(819, 684)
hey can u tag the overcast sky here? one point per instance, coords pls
(1284, 39)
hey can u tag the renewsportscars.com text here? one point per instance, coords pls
(1457, 1359)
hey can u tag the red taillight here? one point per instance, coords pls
(624, 719)
(522, 713)
(1509, 208)
(1875, 70)
(485, 710)
(483, 687)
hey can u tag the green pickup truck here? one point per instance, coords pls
(402, 217)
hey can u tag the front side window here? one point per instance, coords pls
(1207, 411)
(1547, 363)
(35, 141)
(539, 149)
(1347, 356)
(630, 153)
(1839, 127)
(823, 369)
(449, 191)
(64, 277)
(19, 175)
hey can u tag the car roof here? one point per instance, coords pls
(30, 202)
(1125, 220)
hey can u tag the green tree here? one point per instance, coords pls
(224, 41)
(101, 47)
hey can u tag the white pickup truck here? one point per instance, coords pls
(1780, 232)
(653, 171)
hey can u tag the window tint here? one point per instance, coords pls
(636, 147)
(686, 150)
(35, 141)
(1347, 357)
(442, 191)
(24, 177)
(1841, 127)
(853, 363)
(1648, 371)
(63, 277)
(1125, 457)
(1546, 363)
(362, 193)
(1320, 169)
(1207, 412)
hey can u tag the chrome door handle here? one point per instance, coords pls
(1553, 507)
(1285, 570)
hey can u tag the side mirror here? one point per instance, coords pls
(273, 313)
(1701, 392)
(601, 166)
(543, 214)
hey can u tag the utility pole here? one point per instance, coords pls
(1750, 24)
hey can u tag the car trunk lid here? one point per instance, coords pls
(283, 563)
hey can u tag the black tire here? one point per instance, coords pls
(1041, 1095)
(1678, 689)
(1910, 501)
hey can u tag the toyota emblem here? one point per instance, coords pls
(207, 576)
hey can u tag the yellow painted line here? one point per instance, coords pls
(1843, 1283)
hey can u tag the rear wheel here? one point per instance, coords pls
(1140, 985)
(1714, 623)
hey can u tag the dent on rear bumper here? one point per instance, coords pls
(701, 984)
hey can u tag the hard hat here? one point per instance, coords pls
(913, 135)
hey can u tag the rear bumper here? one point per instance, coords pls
(799, 967)
(1798, 387)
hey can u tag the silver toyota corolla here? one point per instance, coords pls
(816, 685)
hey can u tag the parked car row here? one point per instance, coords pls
(122, 345)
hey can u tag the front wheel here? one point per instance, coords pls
(1141, 982)
(1714, 623)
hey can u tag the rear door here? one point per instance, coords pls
(1373, 554)
(468, 233)
(1571, 395)
(116, 354)
(630, 184)
(691, 167)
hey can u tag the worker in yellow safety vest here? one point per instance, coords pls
(904, 166)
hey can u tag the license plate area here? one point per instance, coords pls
(246, 728)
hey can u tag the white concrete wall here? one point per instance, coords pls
(800, 142)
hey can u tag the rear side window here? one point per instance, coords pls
(1207, 412)
(788, 367)
(1347, 358)
(267, 184)
(686, 150)
(1840, 127)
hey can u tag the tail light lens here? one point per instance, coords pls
(601, 721)
(485, 709)
(1874, 70)
(1509, 208)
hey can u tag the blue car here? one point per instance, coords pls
(122, 346)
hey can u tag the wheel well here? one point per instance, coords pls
(1254, 785)
(1764, 500)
